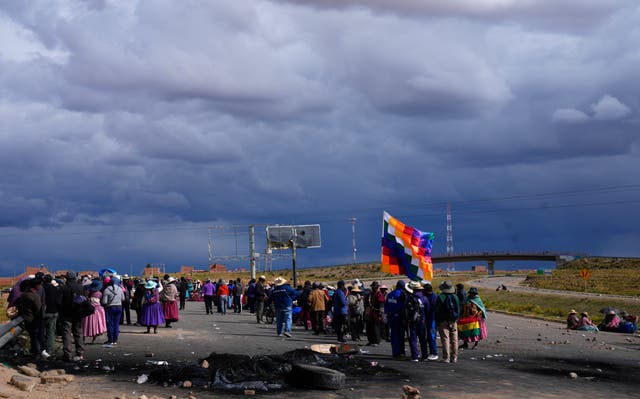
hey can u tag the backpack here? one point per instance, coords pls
(412, 309)
(450, 310)
(81, 306)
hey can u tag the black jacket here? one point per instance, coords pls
(53, 298)
(71, 290)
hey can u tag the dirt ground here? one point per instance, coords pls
(522, 357)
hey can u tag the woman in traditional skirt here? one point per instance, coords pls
(152, 314)
(472, 326)
(94, 324)
(168, 297)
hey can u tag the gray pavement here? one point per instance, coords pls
(521, 357)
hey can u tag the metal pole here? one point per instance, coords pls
(293, 256)
(353, 238)
(209, 246)
(252, 251)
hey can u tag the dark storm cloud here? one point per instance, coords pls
(158, 112)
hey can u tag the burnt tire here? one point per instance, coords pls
(316, 377)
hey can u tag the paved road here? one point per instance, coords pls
(515, 284)
(522, 357)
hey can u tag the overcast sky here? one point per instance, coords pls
(128, 127)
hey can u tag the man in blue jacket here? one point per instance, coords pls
(282, 297)
(394, 309)
(429, 300)
(340, 310)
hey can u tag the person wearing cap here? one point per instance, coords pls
(340, 310)
(447, 315)
(373, 307)
(585, 323)
(168, 298)
(356, 312)
(72, 346)
(152, 315)
(282, 296)
(112, 297)
(573, 320)
(260, 296)
(394, 308)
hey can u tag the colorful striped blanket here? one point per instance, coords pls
(468, 327)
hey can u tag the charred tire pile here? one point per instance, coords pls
(315, 377)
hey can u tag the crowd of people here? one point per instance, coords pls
(80, 310)
(411, 313)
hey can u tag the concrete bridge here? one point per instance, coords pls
(492, 257)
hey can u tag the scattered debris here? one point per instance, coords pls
(573, 375)
(157, 362)
(23, 383)
(316, 377)
(29, 371)
(142, 379)
(409, 392)
(187, 384)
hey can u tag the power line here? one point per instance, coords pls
(179, 227)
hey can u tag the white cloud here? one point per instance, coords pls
(569, 115)
(609, 108)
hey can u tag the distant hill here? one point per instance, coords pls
(607, 276)
(602, 263)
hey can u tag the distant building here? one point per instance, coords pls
(479, 268)
(217, 268)
(28, 270)
(151, 271)
(186, 269)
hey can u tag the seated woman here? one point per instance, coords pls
(585, 323)
(610, 322)
(628, 323)
(573, 320)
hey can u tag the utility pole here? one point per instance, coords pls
(210, 247)
(252, 251)
(353, 238)
(449, 235)
(293, 256)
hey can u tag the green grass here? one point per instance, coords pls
(554, 307)
(619, 281)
